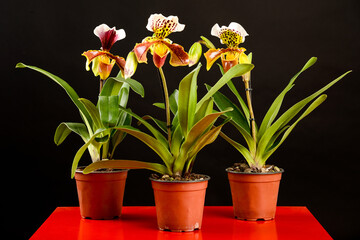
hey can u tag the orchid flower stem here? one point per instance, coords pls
(101, 85)
(167, 104)
(252, 117)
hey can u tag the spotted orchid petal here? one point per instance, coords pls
(232, 35)
(163, 26)
(213, 54)
(108, 36)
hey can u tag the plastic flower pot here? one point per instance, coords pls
(179, 204)
(101, 193)
(254, 195)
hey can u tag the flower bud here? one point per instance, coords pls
(130, 65)
(195, 54)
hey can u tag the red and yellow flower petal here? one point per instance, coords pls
(211, 56)
(97, 56)
(158, 60)
(105, 66)
(120, 61)
(90, 56)
(141, 50)
(178, 56)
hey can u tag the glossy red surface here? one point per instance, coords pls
(218, 223)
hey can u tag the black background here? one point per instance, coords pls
(320, 157)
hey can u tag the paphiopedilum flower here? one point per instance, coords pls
(102, 60)
(232, 36)
(159, 45)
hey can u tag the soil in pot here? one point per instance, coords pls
(254, 195)
(101, 193)
(179, 203)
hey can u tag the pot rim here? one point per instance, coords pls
(251, 173)
(81, 168)
(206, 178)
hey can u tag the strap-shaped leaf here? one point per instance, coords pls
(193, 136)
(222, 102)
(288, 115)
(204, 110)
(109, 110)
(160, 124)
(134, 85)
(173, 100)
(93, 112)
(187, 100)
(126, 164)
(205, 140)
(275, 106)
(153, 130)
(69, 90)
(176, 141)
(81, 151)
(239, 69)
(65, 128)
(311, 108)
(153, 143)
(243, 150)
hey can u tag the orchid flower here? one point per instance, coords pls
(102, 60)
(159, 45)
(232, 36)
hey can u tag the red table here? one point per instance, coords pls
(218, 223)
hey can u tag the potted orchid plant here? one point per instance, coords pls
(189, 127)
(98, 129)
(254, 184)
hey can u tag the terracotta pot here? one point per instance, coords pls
(254, 195)
(101, 193)
(179, 204)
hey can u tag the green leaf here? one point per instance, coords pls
(236, 115)
(187, 100)
(173, 100)
(176, 140)
(243, 105)
(81, 151)
(159, 105)
(207, 42)
(65, 128)
(290, 114)
(153, 130)
(134, 85)
(160, 124)
(204, 110)
(93, 112)
(69, 90)
(239, 69)
(312, 107)
(275, 106)
(238, 96)
(204, 140)
(194, 135)
(243, 150)
(111, 88)
(151, 142)
(126, 164)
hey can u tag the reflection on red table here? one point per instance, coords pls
(218, 223)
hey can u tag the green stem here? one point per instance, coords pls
(167, 104)
(252, 116)
(101, 85)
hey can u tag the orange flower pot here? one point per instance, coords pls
(254, 195)
(179, 204)
(101, 193)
